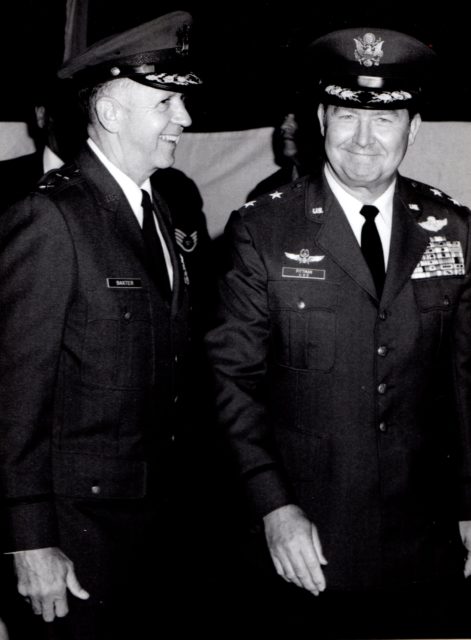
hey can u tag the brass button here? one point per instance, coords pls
(383, 427)
(382, 388)
(382, 350)
(301, 304)
(96, 489)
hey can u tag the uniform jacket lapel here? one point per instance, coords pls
(408, 243)
(166, 227)
(336, 237)
(113, 203)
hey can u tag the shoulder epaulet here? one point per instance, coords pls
(57, 178)
(435, 194)
(278, 195)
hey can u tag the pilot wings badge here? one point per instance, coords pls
(433, 224)
(303, 257)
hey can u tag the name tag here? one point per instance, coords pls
(124, 283)
(299, 272)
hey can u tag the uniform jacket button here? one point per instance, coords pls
(301, 304)
(383, 427)
(382, 388)
(382, 350)
(96, 489)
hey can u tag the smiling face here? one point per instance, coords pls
(140, 126)
(153, 122)
(365, 147)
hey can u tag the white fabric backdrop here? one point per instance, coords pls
(226, 165)
(14, 140)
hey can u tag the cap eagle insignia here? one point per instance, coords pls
(369, 50)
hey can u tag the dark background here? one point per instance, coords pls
(248, 51)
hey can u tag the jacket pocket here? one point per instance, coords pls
(437, 294)
(118, 349)
(80, 475)
(304, 323)
(305, 456)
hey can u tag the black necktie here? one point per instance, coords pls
(153, 246)
(371, 246)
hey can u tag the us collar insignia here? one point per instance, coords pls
(432, 224)
(186, 241)
(303, 257)
(369, 50)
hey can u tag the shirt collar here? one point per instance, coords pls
(131, 190)
(352, 205)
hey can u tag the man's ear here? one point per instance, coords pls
(321, 117)
(108, 113)
(414, 127)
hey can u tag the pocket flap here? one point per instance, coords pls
(91, 476)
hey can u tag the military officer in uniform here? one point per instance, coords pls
(95, 346)
(342, 360)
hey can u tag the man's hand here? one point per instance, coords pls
(465, 531)
(44, 575)
(295, 548)
(3, 631)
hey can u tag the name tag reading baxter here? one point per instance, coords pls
(300, 272)
(124, 283)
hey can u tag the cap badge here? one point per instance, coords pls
(183, 40)
(303, 257)
(368, 50)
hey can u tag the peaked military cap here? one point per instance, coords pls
(371, 68)
(155, 53)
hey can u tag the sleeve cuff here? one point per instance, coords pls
(267, 491)
(30, 525)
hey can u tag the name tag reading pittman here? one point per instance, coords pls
(124, 283)
(299, 272)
